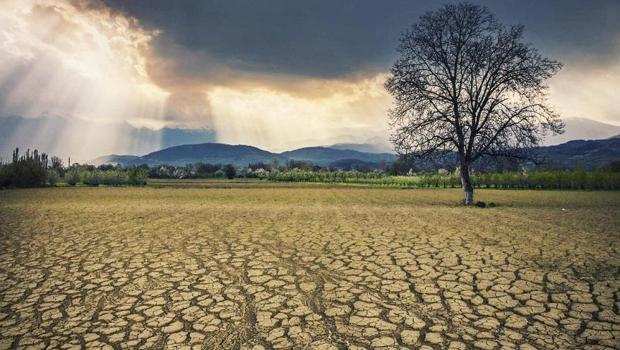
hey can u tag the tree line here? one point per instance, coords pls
(601, 179)
(34, 169)
(31, 169)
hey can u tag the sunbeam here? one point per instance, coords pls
(57, 59)
(351, 112)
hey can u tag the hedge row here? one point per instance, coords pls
(575, 179)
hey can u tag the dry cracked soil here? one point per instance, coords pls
(308, 268)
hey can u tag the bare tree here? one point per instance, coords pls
(465, 83)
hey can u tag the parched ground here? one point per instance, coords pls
(308, 268)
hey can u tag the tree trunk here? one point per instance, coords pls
(468, 189)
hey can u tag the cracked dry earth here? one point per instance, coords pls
(307, 268)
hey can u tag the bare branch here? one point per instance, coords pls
(466, 83)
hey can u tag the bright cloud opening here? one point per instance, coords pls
(60, 60)
(275, 120)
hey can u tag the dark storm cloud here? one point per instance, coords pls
(330, 38)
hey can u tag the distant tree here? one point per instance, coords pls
(261, 173)
(28, 170)
(56, 163)
(52, 177)
(467, 84)
(72, 177)
(137, 176)
(229, 171)
(613, 166)
(57, 167)
(205, 169)
(401, 166)
(259, 165)
(106, 167)
(298, 164)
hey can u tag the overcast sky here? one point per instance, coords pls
(276, 74)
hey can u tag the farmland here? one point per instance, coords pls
(258, 265)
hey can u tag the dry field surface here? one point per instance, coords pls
(308, 268)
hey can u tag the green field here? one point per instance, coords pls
(254, 265)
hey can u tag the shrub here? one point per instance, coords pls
(52, 177)
(6, 175)
(57, 166)
(259, 165)
(72, 177)
(230, 171)
(91, 178)
(136, 177)
(614, 166)
(261, 173)
(114, 178)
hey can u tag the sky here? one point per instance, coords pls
(277, 74)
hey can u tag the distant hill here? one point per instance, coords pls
(588, 154)
(80, 139)
(362, 147)
(354, 164)
(325, 155)
(585, 154)
(214, 153)
(241, 155)
(583, 129)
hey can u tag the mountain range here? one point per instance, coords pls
(583, 129)
(587, 154)
(242, 155)
(81, 139)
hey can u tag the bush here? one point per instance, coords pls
(614, 166)
(136, 177)
(261, 173)
(230, 171)
(6, 175)
(114, 178)
(52, 177)
(91, 178)
(72, 177)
